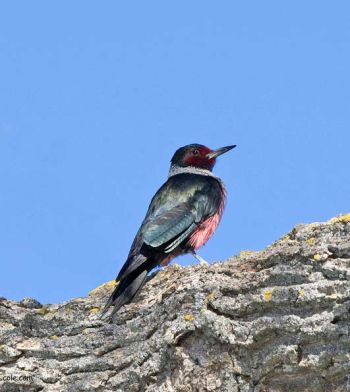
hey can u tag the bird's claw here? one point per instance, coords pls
(201, 260)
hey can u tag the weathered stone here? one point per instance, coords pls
(30, 303)
(275, 320)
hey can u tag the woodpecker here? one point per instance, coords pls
(182, 216)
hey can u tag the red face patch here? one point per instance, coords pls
(197, 157)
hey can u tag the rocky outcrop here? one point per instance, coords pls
(275, 320)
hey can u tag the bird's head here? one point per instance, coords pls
(197, 155)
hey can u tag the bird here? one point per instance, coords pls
(182, 215)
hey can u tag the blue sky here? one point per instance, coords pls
(95, 98)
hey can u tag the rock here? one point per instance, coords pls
(30, 303)
(275, 320)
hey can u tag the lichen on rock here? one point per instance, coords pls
(274, 320)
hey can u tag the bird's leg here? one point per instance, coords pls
(200, 259)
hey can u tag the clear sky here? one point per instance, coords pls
(96, 97)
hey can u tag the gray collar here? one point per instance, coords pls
(175, 169)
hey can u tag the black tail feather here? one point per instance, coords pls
(125, 292)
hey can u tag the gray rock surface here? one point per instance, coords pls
(275, 320)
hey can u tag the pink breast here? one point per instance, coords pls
(206, 228)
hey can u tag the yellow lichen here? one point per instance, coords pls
(268, 295)
(54, 337)
(245, 253)
(317, 257)
(301, 293)
(310, 241)
(340, 218)
(210, 297)
(94, 310)
(108, 285)
(43, 310)
(188, 317)
(286, 238)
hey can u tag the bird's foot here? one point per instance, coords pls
(200, 259)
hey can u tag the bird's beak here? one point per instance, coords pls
(220, 151)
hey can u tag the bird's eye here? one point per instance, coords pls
(195, 152)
